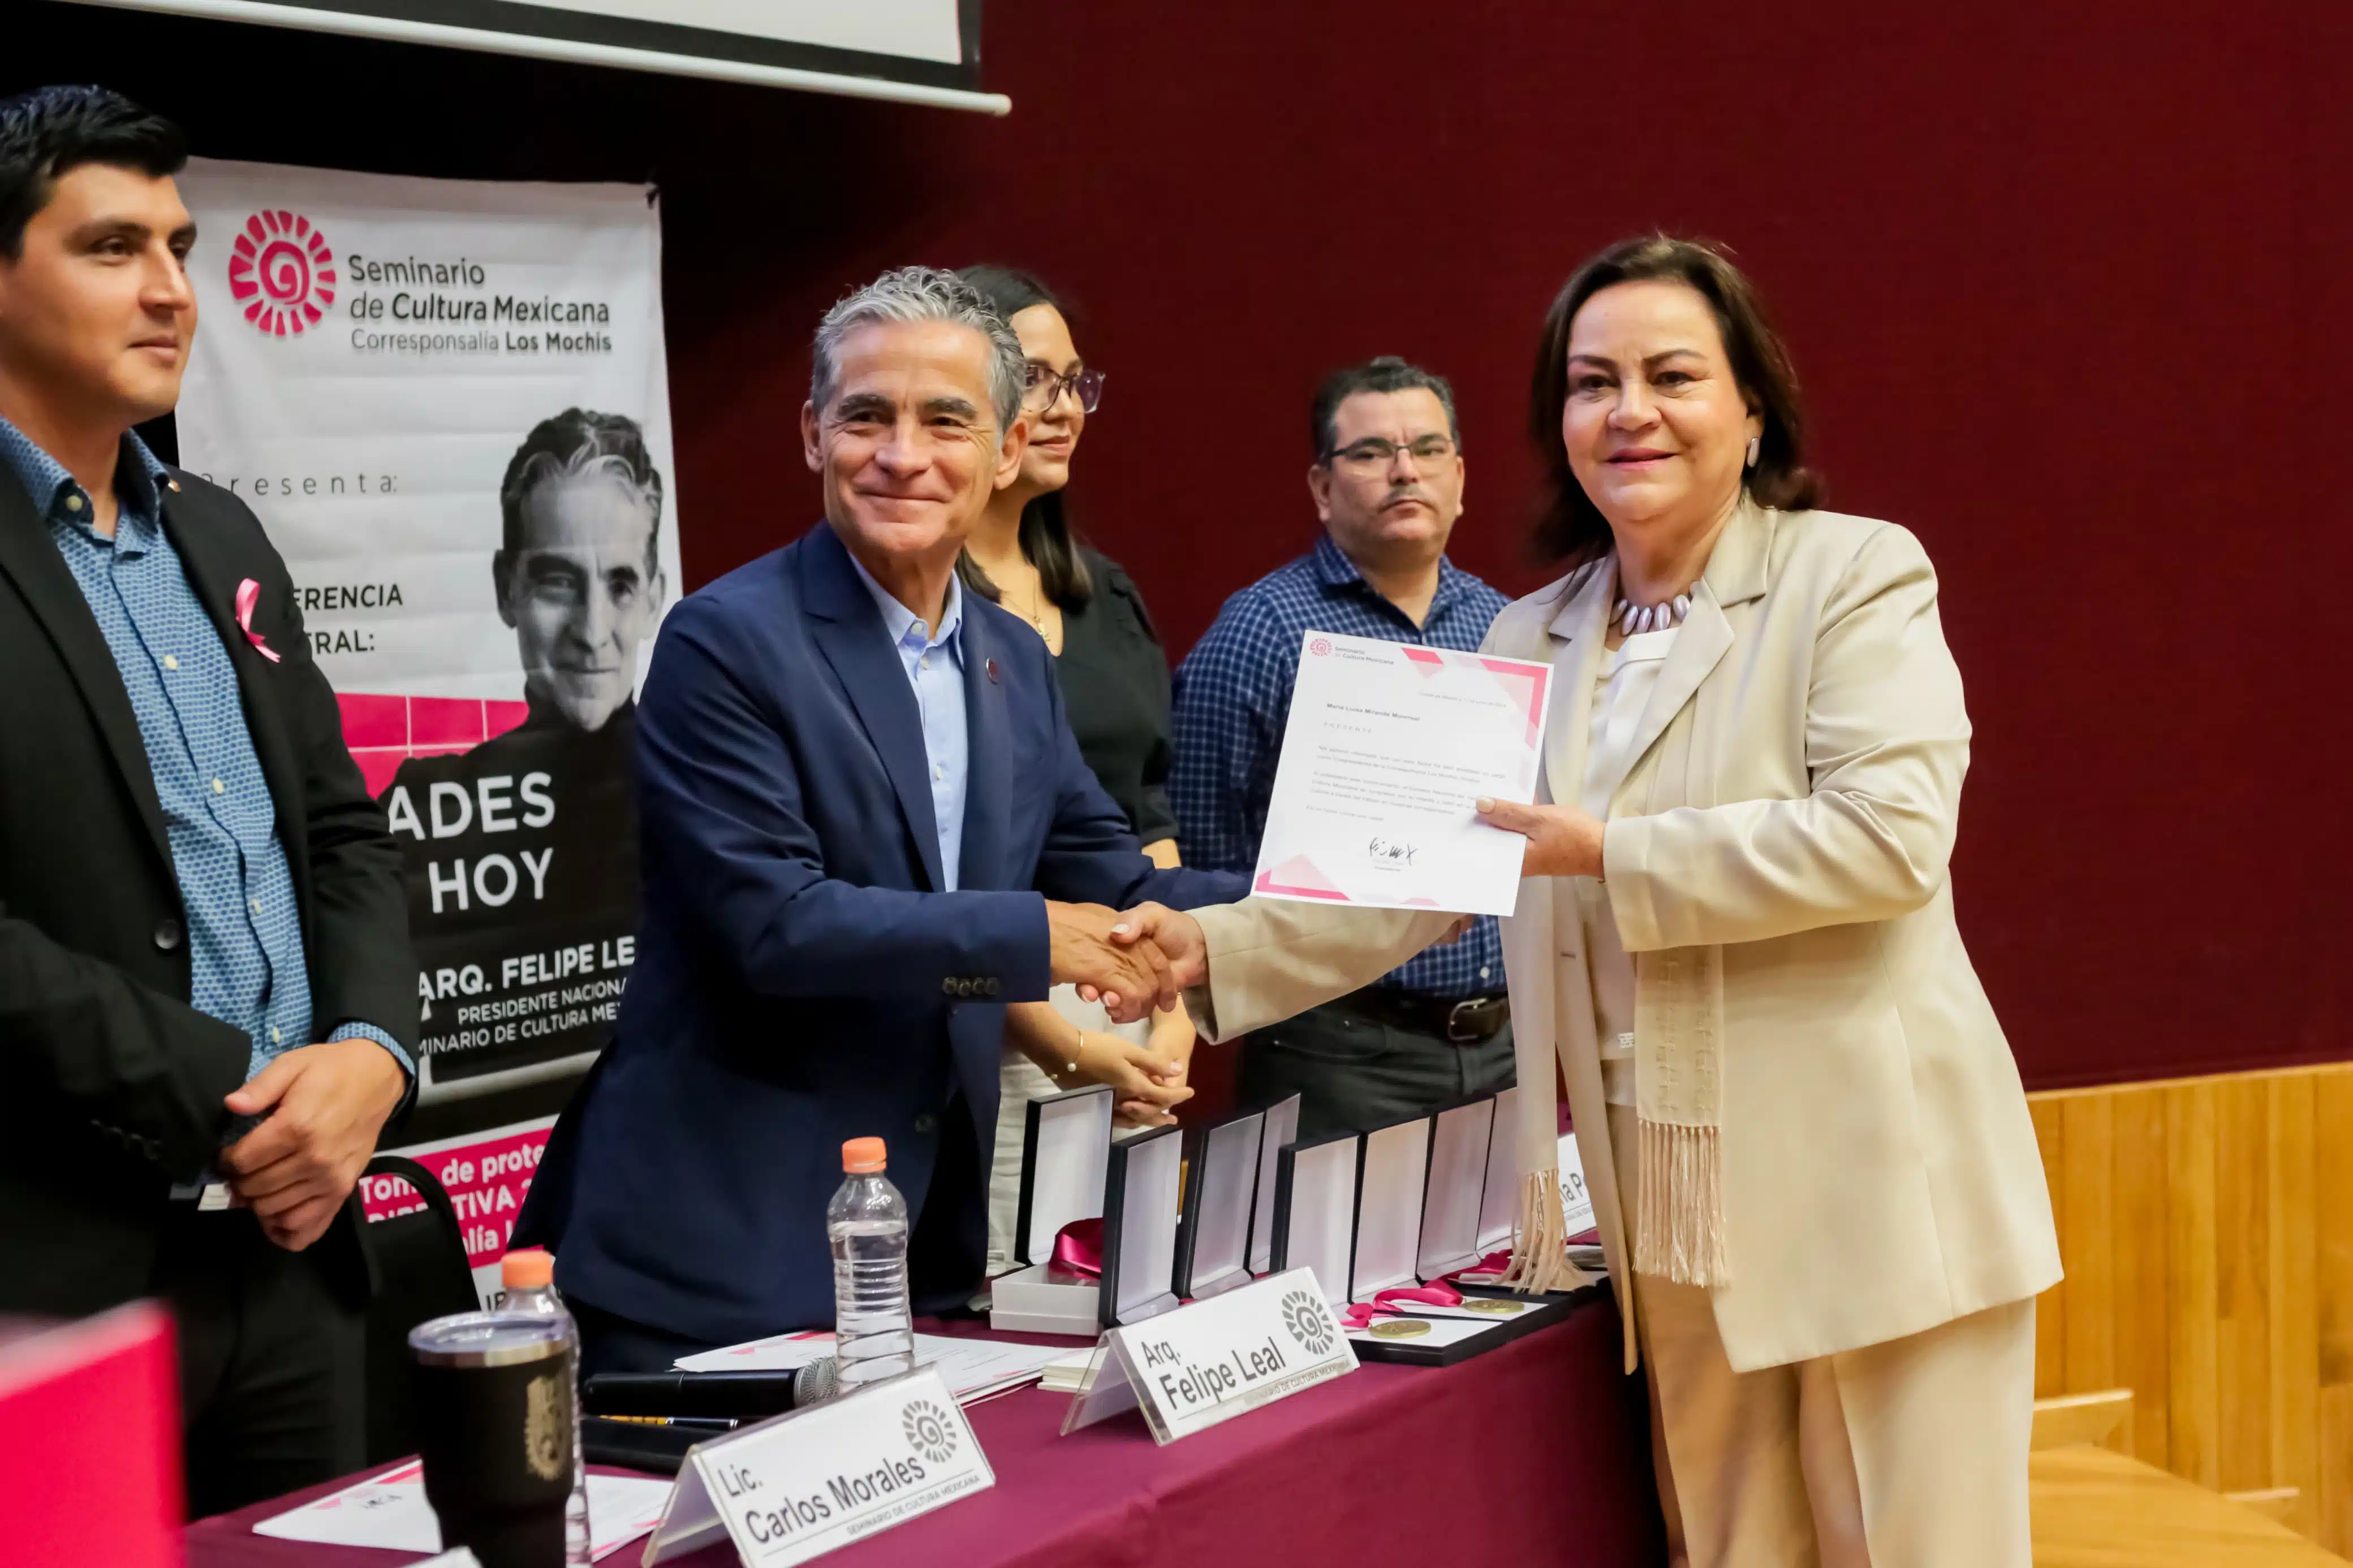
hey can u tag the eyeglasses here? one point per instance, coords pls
(1045, 383)
(1374, 454)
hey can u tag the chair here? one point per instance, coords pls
(417, 1270)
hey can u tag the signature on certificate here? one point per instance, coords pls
(1390, 853)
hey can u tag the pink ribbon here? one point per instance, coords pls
(1384, 1304)
(248, 593)
(1078, 1247)
(1495, 1263)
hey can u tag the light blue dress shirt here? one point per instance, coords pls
(245, 932)
(935, 667)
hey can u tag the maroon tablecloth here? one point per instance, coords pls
(1534, 1453)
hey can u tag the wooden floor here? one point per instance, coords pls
(2097, 1509)
(2207, 1229)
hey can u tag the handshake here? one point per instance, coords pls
(1133, 963)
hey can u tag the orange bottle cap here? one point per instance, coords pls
(862, 1156)
(527, 1268)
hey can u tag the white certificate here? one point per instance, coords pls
(1388, 747)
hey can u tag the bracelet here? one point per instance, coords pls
(1080, 1049)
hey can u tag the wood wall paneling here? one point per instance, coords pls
(2050, 1310)
(2206, 1228)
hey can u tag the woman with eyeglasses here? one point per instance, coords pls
(1023, 555)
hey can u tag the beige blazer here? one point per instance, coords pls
(1792, 803)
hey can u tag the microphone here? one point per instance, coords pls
(818, 1380)
(734, 1395)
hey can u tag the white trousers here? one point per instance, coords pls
(1910, 1453)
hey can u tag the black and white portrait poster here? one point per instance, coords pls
(448, 403)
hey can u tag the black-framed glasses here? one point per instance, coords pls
(1045, 383)
(1374, 454)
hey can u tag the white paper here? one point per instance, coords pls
(1576, 1200)
(1071, 1372)
(390, 1510)
(778, 1352)
(1388, 745)
(974, 1369)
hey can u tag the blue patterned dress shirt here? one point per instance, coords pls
(1234, 699)
(245, 931)
(935, 667)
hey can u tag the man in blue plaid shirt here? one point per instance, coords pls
(1387, 485)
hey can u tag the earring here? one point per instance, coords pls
(1752, 451)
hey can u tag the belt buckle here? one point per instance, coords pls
(1453, 1014)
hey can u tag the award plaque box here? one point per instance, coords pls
(1422, 1337)
(1282, 1131)
(1065, 1161)
(1459, 1139)
(1393, 1166)
(1220, 1181)
(1140, 1223)
(1499, 1204)
(1316, 1210)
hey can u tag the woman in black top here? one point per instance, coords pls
(1114, 679)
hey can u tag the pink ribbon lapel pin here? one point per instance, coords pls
(248, 593)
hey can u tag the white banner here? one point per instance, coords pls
(909, 51)
(448, 403)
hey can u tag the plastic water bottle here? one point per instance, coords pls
(529, 1276)
(873, 1329)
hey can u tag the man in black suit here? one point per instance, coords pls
(206, 997)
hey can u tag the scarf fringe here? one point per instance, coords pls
(1540, 1240)
(1679, 1228)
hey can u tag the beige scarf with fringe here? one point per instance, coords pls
(1676, 1217)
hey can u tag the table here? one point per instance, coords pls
(1536, 1452)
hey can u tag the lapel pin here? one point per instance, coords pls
(172, 485)
(991, 666)
(249, 595)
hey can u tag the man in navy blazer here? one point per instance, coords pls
(866, 828)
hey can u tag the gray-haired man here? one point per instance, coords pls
(867, 829)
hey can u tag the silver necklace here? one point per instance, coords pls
(1632, 617)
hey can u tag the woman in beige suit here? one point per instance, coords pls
(1815, 1179)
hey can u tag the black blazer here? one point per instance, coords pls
(1115, 680)
(111, 1084)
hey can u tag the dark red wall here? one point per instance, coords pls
(2069, 287)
